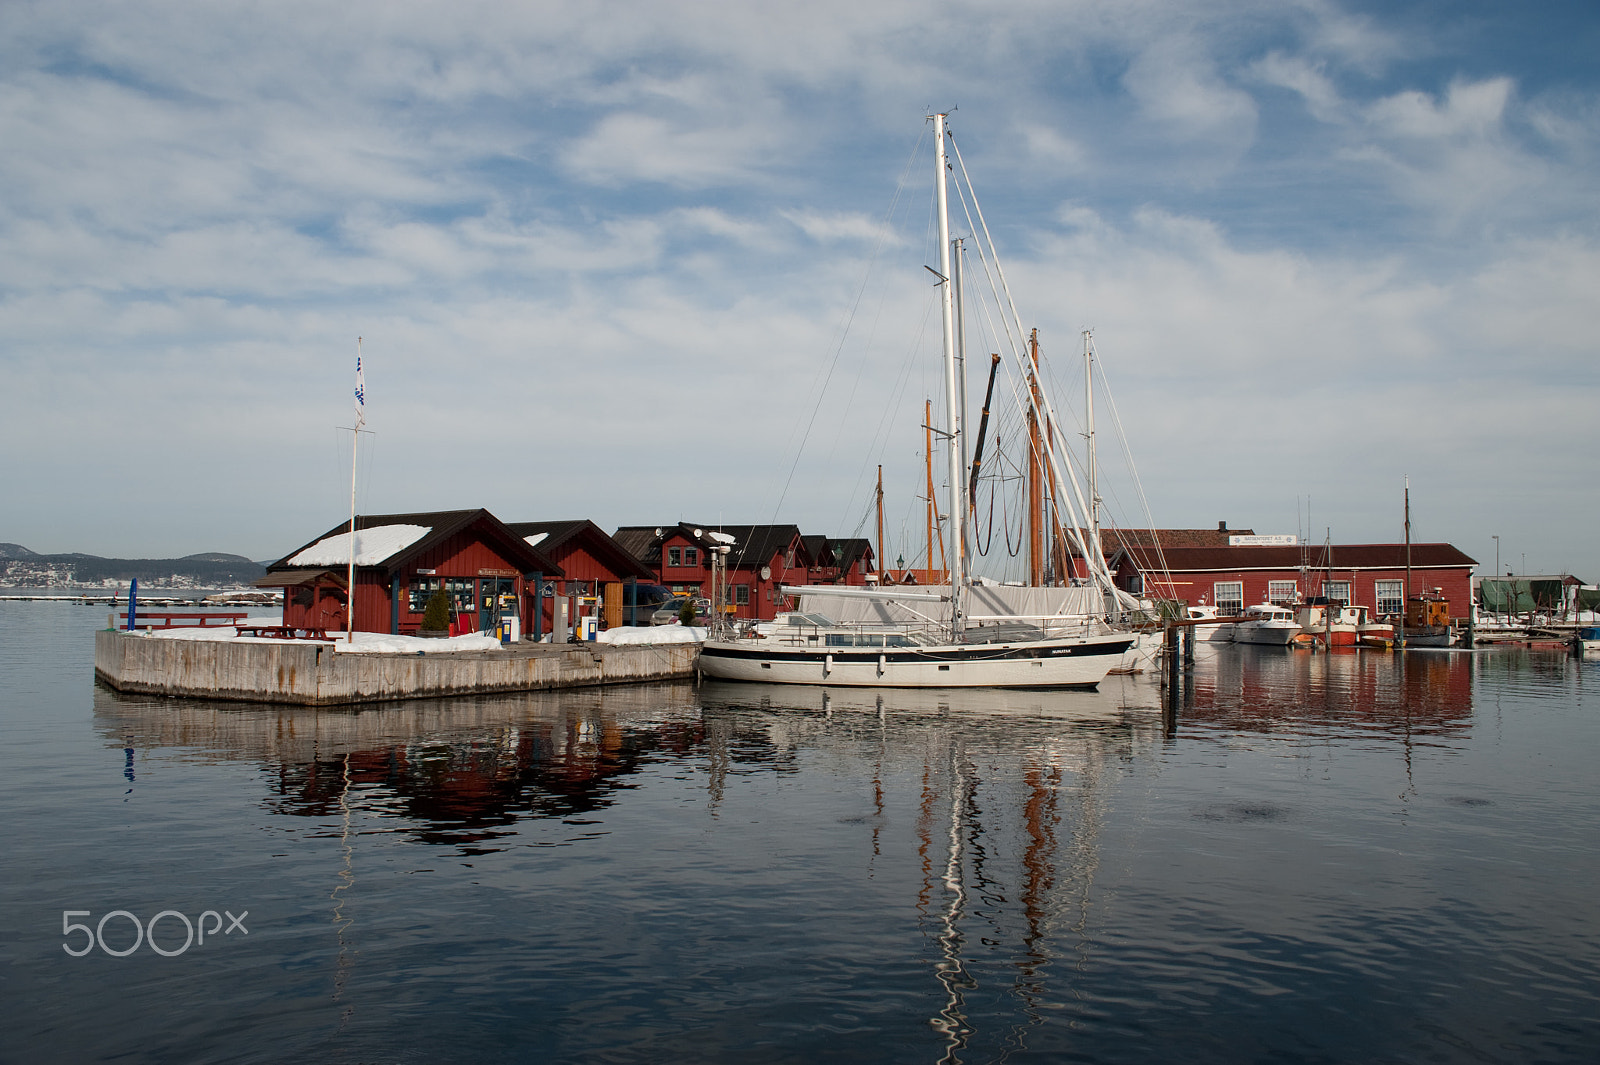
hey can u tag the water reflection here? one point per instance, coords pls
(1292, 691)
(993, 825)
(460, 772)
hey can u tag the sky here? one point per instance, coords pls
(649, 262)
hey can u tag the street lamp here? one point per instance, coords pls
(1497, 556)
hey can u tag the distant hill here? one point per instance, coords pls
(22, 568)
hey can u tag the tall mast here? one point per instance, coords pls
(927, 454)
(951, 388)
(880, 527)
(1035, 471)
(355, 436)
(1088, 407)
(1406, 594)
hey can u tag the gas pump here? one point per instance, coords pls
(588, 618)
(508, 629)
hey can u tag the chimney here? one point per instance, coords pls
(1222, 526)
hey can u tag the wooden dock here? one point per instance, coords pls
(307, 674)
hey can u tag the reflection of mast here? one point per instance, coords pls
(342, 923)
(952, 971)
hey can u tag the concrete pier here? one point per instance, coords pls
(306, 674)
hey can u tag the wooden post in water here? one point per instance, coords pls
(1188, 648)
(1170, 647)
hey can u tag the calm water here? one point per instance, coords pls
(1332, 858)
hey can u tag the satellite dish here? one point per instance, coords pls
(766, 573)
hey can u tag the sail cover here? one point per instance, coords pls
(984, 603)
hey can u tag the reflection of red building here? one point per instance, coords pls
(401, 559)
(469, 792)
(593, 565)
(1270, 689)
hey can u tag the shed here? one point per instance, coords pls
(400, 560)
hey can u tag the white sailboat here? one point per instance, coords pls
(950, 648)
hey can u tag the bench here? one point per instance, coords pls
(286, 632)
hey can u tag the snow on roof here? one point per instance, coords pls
(373, 546)
(535, 539)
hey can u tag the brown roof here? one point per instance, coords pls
(1312, 557)
(614, 555)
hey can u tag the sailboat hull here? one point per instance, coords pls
(1079, 662)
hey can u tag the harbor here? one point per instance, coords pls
(1306, 838)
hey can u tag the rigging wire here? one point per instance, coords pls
(855, 303)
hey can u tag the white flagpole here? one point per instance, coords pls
(355, 435)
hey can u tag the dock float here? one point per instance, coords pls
(315, 674)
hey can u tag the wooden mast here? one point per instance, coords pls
(879, 559)
(935, 533)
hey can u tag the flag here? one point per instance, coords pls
(361, 396)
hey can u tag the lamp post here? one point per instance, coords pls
(1497, 556)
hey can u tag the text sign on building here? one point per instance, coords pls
(497, 573)
(1287, 540)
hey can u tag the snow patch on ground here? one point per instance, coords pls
(365, 642)
(655, 634)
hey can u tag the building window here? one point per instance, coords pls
(1229, 597)
(1283, 593)
(741, 595)
(422, 589)
(1339, 590)
(674, 556)
(1391, 596)
(691, 556)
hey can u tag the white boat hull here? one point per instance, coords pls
(1072, 662)
(1269, 633)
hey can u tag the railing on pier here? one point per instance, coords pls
(155, 619)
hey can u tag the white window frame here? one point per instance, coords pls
(675, 557)
(1328, 588)
(1396, 597)
(1283, 593)
(1218, 597)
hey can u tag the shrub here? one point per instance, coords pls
(686, 612)
(436, 615)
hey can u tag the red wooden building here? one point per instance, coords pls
(761, 559)
(595, 569)
(401, 559)
(1233, 577)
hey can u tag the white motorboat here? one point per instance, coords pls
(1221, 632)
(1267, 624)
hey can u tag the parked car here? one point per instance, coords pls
(671, 611)
(648, 599)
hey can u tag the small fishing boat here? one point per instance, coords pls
(1329, 621)
(1372, 632)
(1427, 621)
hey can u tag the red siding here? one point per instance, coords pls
(1455, 584)
(464, 555)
